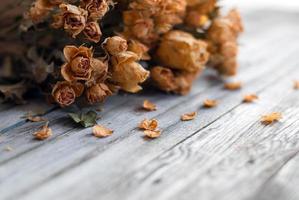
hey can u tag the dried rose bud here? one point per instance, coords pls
(139, 49)
(166, 80)
(180, 50)
(71, 18)
(222, 38)
(99, 72)
(96, 8)
(92, 32)
(97, 93)
(65, 93)
(127, 73)
(115, 45)
(78, 66)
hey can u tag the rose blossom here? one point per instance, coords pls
(71, 18)
(92, 32)
(64, 93)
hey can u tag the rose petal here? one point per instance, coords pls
(101, 131)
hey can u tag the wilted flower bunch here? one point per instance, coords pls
(97, 47)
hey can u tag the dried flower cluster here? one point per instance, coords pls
(78, 51)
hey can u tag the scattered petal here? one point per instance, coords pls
(233, 85)
(149, 106)
(210, 103)
(270, 118)
(43, 133)
(101, 131)
(296, 85)
(188, 116)
(250, 98)
(152, 134)
(149, 124)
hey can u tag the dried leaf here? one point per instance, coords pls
(147, 105)
(250, 98)
(149, 124)
(233, 85)
(188, 116)
(152, 134)
(85, 119)
(210, 103)
(43, 133)
(270, 118)
(101, 131)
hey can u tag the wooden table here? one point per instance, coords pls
(225, 153)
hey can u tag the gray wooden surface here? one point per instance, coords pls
(225, 153)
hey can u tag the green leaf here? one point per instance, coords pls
(85, 119)
(89, 119)
(76, 117)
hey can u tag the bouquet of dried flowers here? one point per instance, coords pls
(87, 50)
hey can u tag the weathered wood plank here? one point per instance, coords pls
(283, 185)
(11, 115)
(225, 162)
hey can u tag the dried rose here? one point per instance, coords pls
(97, 93)
(296, 85)
(101, 131)
(96, 8)
(65, 93)
(99, 72)
(166, 80)
(180, 50)
(92, 32)
(71, 18)
(222, 38)
(115, 45)
(127, 73)
(139, 49)
(78, 66)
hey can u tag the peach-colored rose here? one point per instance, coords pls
(92, 32)
(115, 45)
(140, 49)
(65, 93)
(71, 18)
(78, 66)
(127, 73)
(180, 50)
(97, 93)
(96, 8)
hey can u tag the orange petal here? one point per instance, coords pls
(66, 72)
(69, 52)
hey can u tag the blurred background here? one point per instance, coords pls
(262, 4)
